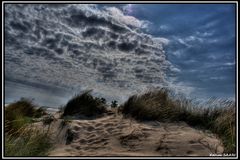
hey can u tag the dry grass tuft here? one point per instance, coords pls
(84, 104)
(216, 115)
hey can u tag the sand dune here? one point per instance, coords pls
(114, 135)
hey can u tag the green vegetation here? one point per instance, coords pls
(84, 104)
(20, 113)
(114, 104)
(29, 143)
(103, 100)
(217, 116)
(20, 139)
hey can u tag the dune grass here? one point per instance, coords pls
(84, 104)
(216, 115)
(31, 142)
(20, 113)
(21, 139)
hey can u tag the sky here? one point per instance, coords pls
(53, 51)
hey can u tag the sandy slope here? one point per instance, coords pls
(116, 136)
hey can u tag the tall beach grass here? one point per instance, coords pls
(216, 115)
(84, 104)
(21, 137)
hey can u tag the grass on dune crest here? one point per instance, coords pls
(21, 139)
(216, 115)
(84, 104)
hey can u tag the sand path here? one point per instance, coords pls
(116, 136)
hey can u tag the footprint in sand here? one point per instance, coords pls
(189, 152)
(192, 142)
(76, 128)
(83, 141)
(102, 132)
(68, 150)
(91, 136)
(122, 126)
(109, 125)
(197, 147)
(111, 130)
(147, 129)
(98, 124)
(90, 128)
(78, 147)
(89, 141)
(100, 141)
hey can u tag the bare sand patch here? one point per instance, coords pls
(117, 136)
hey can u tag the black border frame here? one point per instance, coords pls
(123, 2)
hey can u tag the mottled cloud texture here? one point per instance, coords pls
(202, 44)
(81, 46)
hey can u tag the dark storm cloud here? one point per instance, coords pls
(97, 33)
(140, 51)
(81, 46)
(60, 51)
(79, 18)
(98, 46)
(19, 26)
(50, 43)
(126, 47)
(111, 44)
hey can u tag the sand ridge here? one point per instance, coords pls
(114, 135)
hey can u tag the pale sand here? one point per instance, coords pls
(113, 135)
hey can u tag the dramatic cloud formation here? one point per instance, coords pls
(202, 42)
(119, 49)
(81, 46)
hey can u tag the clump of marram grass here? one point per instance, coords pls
(31, 142)
(20, 138)
(216, 115)
(84, 104)
(225, 126)
(20, 113)
(152, 105)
